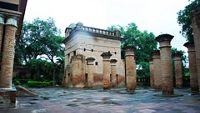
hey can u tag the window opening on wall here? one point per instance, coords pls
(74, 53)
(84, 49)
(115, 52)
(96, 63)
(92, 50)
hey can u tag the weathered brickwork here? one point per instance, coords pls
(166, 63)
(192, 67)
(178, 70)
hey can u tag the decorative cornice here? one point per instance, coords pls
(11, 21)
(92, 31)
(189, 44)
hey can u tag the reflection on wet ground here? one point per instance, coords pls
(144, 100)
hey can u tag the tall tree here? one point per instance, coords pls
(143, 41)
(185, 20)
(40, 38)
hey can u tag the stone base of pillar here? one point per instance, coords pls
(167, 91)
(8, 97)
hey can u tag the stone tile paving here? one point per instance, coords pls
(144, 100)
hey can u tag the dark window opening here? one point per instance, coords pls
(92, 50)
(96, 63)
(74, 53)
(84, 49)
(115, 52)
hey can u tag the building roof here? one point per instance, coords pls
(77, 28)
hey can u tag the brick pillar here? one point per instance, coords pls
(166, 63)
(157, 70)
(106, 70)
(8, 53)
(130, 69)
(151, 68)
(90, 66)
(78, 71)
(196, 34)
(113, 72)
(192, 67)
(1, 30)
(178, 70)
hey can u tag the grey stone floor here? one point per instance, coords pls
(144, 100)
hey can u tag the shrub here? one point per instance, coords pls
(39, 84)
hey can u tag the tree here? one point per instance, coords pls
(185, 20)
(143, 41)
(40, 38)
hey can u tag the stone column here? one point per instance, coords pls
(90, 66)
(106, 70)
(192, 67)
(1, 29)
(196, 34)
(178, 70)
(166, 63)
(157, 70)
(113, 72)
(8, 53)
(130, 69)
(151, 68)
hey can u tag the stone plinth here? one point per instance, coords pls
(192, 67)
(90, 66)
(8, 53)
(78, 71)
(130, 69)
(151, 67)
(196, 34)
(157, 70)
(106, 70)
(178, 70)
(166, 63)
(113, 72)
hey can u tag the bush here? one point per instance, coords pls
(39, 84)
(16, 82)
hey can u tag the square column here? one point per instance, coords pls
(157, 70)
(178, 70)
(8, 53)
(113, 72)
(196, 34)
(106, 70)
(130, 69)
(151, 68)
(166, 63)
(192, 67)
(90, 66)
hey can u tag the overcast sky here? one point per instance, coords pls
(157, 16)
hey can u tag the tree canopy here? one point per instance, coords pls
(185, 20)
(143, 41)
(40, 38)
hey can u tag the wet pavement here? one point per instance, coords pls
(144, 100)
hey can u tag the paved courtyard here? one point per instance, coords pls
(144, 100)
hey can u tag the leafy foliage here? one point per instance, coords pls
(40, 48)
(185, 20)
(144, 43)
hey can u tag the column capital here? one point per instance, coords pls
(12, 21)
(2, 18)
(113, 61)
(164, 40)
(156, 54)
(90, 60)
(106, 55)
(190, 46)
(177, 56)
(129, 50)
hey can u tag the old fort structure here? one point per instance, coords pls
(87, 51)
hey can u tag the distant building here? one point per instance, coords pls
(83, 42)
